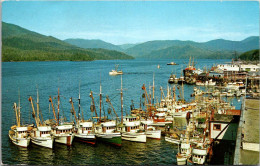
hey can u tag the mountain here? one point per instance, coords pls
(126, 46)
(141, 50)
(183, 52)
(85, 43)
(252, 55)
(19, 44)
(146, 49)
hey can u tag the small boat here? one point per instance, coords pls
(158, 66)
(173, 139)
(131, 130)
(181, 80)
(116, 72)
(171, 79)
(199, 155)
(172, 63)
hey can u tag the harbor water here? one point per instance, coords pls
(47, 77)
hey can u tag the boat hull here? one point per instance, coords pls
(154, 134)
(64, 139)
(172, 140)
(110, 138)
(89, 138)
(136, 137)
(22, 142)
(181, 160)
(44, 142)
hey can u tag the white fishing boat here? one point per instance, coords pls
(63, 133)
(42, 136)
(150, 130)
(199, 155)
(106, 132)
(173, 139)
(85, 132)
(116, 71)
(19, 134)
(131, 130)
(184, 154)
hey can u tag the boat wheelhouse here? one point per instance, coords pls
(63, 134)
(106, 132)
(85, 132)
(131, 130)
(42, 136)
(19, 136)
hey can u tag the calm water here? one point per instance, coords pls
(48, 76)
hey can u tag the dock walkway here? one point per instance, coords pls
(247, 145)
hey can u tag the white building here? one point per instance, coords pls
(249, 67)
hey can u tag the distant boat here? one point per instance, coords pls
(172, 63)
(116, 72)
(158, 66)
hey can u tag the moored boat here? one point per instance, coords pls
(131, 130)
(106, 132)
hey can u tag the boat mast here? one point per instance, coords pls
(36, 119)
(53, 110)
(38, 108)
(58, 105)
(16, 115)
(108, 101)
(122, 106)
(153, 88)
(19, 109)
(93, 102)
(100, 102)
(79, 104)
(75, 116)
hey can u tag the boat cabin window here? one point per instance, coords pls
(110, 128)
(20, 132)
(87, 128)
(134, 127)
(45, 132)
(217, 127)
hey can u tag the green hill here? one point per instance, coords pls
(183, 52)
(84, 43)
(219, 45)
(252, 55)
(19, 44)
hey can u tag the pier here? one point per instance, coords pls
(247, 143)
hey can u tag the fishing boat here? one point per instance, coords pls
(172, 79)
(184, 153)
(106, 132)
(116, 71)
(150, 130)
(19, 136)
(41, 135)
(131, 130)
(173, 138)
(85, 133)
(105, 129)
(62, 131)
(172, 63)
(84, 130)
(18, 133)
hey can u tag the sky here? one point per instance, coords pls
(121, 22)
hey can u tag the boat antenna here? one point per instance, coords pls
(100, 100)
(58, 105)
(122, 106)
(79, 103)
(19, 109)
(153, 88)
